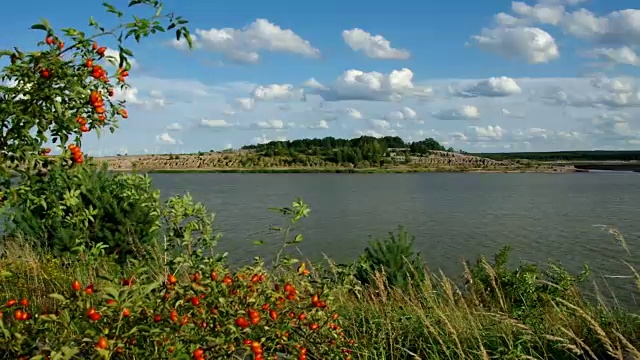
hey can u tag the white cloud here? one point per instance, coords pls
(489, 133)
(215, 124)
(621, 56)
(358, 85)
(269, 124)
(244, 45)
(263, 139)
(353, 113)
(532, 44)
(495, 86)
(539, 13)
(464, 112)
(508, 113)
(322, 124)
(174, 127)
(167, 139)
(373, 46)
(618, 27)
(113, 58)
(406, 113)
(314, 84)
(277, 92)
(246, 104)
(228, 112)
(380, 124)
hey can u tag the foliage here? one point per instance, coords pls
(524, 291)
(394, 258)
(64, 90)
(79, 208)
(594, 155)
(217, 314)
(337, 151)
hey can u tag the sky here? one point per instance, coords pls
(481, 76)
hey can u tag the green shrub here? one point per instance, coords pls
(79, 208)
(524, 292)
(394, 257)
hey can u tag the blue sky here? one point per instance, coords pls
(478, 75)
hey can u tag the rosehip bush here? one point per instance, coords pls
(213, 315)
(65, 89)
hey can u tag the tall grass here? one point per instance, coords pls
(490, 315)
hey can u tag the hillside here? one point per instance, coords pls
(329, 154)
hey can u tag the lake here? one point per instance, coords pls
(452, 215)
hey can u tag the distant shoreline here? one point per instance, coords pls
(555, 170)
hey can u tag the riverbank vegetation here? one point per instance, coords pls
(570, 156)
(94, 265)
(362, 154)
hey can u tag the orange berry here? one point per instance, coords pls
(24, 302)
(49, 40)
(102, 343)
(45, 73)
(75, 285)
(61, 45)
(171, 279)
(89, 63)
(101, 50)
(94, 46)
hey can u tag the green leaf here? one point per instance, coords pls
(298, 239)
(258, 242)
(39, 27)
(171, 26)
(126, 51)
(57, 297)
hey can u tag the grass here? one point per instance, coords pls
(437, 318)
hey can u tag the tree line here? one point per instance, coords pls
(356, 150)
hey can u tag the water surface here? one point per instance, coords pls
(452, 215)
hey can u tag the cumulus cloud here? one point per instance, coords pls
(264, 139)
(406, 113)
(488, 133)
(314, 84)
(244, 45)
(621, 56)
(464, 112)
(619, 27)
(379, 124)
(493, 87)
(174, 127)
(273, 124)
(353, 113)
(374, 86)
(322, 124)
(526, 14)
(532, 44)
(167, 139)
(277, 92)
(132, 96)
(246, 104)
(215, 124)
(508, 113)
(373, 46)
